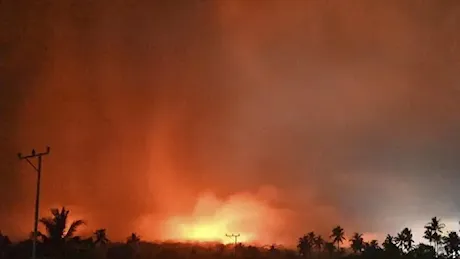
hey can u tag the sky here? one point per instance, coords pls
(309, 113)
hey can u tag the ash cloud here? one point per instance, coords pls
(349, 108)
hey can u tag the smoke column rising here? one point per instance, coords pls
(348, 109)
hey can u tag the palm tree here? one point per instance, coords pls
(56, 226)
(338, 236)
(318, 243)
(428, 234)
(452, 244)
(433, 232)
(101, 237)
(408, 239)
(390, 248)
(388, 241)
(404, 240)
(59, 236)
(311, 236)
(357, 243)
(399, 241)
(304, 246)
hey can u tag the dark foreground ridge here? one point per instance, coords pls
(60, 241)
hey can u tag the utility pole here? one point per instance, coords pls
(38, 169)
(236, 239)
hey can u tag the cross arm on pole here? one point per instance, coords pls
(33, 154)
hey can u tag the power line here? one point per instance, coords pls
(38, 169)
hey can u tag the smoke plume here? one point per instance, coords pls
(348, 110)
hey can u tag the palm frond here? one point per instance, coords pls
(55, 212)
(49, 224)
(73, 227)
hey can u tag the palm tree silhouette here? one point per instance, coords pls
(311, 240)
(304, 246)
(357, 243)
(389, 243)
(433, 232)
(56, 226)
(452, 244)
(338, 236)
(399, 241)
(409, 241)
(58, 233)
(319, 243)
(101, 237)
(428, 235)
(390, 248)
(404, 240)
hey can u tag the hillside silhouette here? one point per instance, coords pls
(60, 241)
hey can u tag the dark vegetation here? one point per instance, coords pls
(60, 241)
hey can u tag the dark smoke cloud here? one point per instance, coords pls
(349, 108)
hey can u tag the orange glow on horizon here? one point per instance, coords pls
(203, 231)
(212, 219)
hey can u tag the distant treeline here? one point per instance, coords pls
(60, 241)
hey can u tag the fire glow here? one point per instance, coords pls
(212, 219)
